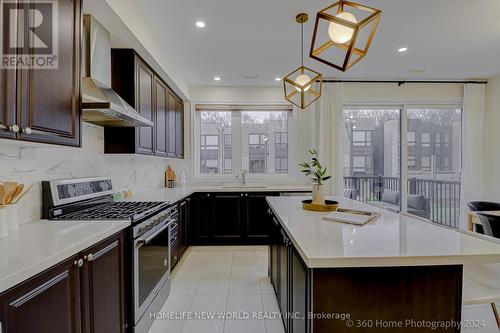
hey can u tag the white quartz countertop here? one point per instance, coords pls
(179, 193)
(390, 240)
(39, 245)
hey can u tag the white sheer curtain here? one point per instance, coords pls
(329, 115)
(473, 181)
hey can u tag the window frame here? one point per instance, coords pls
(293, 172)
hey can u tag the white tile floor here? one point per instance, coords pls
(215, 280)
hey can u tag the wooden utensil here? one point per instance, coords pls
(10, 188)
(22, 195)
(16, 193)
(2, 195)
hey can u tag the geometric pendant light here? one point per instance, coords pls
(303, 85)
(343, 34)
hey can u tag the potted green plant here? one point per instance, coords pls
(317, 173)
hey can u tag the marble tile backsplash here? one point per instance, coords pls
(30, 163)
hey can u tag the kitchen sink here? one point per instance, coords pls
(244, 186)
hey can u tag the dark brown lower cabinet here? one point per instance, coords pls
(103, 289)
(371, 297)
(46, 303)
(236, 218)
(184, 222)
(85, 293)
(284, 279)
(299, 284)
(227, 217)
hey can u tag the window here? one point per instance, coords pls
(257, 144)
(438, 140)
(446, 140)
(359, 164)
(281, 152)
(228, 153)
(214, 127)
(411, 139)
(412, 162)
(231, 141)
(210, 153)
(426, 163)
(362, 138)
(426, 140)
(260, 155)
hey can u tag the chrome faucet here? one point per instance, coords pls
(243, 176)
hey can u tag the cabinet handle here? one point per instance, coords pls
(78, 262)
(89, 257)
(27, 130)
(208, 195)
(14, 128)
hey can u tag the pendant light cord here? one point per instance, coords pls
(302, 43)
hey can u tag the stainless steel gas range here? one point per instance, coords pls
(148, 241)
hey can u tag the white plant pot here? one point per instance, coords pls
(318, 194)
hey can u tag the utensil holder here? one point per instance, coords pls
(4, 227)
(12, 217)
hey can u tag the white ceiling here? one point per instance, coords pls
(449, 39)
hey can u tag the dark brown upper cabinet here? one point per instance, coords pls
(179, 123)
(7, 103)
(43, 105)
(161, 119)
(172, 128)
(144, 89)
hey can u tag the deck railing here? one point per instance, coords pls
(443, 195)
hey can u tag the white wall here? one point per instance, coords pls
(239, 95)
(129, 29)
(492, 139)
(31, 163)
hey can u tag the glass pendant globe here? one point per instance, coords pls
(302, 80)
(339, 33)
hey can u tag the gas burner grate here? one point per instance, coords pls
(122, 210)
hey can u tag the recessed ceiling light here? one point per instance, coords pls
(277, 79)
(216, 78)
(402, 49)
(201, 24)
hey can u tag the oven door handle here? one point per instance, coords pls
(143, 241)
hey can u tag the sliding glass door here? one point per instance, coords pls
(434, 163)
(371, 155)
(429, 139)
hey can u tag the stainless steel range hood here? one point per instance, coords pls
(100, 104)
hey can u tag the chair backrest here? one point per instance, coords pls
(483, 206)
(490, 223)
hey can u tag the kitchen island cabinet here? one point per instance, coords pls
(394, 274)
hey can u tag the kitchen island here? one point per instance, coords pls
(396, 273)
